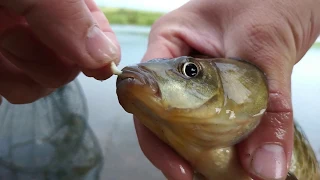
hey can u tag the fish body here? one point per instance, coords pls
(203, 107)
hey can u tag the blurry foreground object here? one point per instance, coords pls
(49, 139)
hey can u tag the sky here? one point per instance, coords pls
(150, 5)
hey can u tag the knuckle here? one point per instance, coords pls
(21, 7)
(261, 36)
(269, 38)
(279, 121)
(279, 102)
(73, 11)
(267, 48)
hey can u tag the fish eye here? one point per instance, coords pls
(190, 69)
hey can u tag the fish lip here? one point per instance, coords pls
(141, 75)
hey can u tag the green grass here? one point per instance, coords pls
(129, 16)
(316, 45)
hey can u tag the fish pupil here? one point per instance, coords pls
(191, 70)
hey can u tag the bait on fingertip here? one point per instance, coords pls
(115, 70)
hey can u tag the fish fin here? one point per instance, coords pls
(291, 176)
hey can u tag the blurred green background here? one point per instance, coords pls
(130, 16)
(124, 16)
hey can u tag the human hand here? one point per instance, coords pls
(45, 44)
(273, 35)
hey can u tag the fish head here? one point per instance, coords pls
(189, 101)
(180, 85)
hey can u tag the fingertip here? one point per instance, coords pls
(173, 166)
(104, 26)
(267, 161)
(266, 153)
(102, 73)
(102, 47)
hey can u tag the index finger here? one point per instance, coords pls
(69, 28)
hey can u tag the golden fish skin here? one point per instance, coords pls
(202, 107)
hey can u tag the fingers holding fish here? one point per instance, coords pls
(161, 155)
(202, 131)
(268, 42)
(168, 39)
(163, 44)
(267, 152)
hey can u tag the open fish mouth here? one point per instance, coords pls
(138, 76)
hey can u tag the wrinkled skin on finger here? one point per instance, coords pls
(272, 35)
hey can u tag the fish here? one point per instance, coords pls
(202, 107)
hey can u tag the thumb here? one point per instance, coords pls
(69, 29)
(266, 153)
(164, 43)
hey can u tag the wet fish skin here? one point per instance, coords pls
(202, 117)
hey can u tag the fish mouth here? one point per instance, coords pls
(138, 76)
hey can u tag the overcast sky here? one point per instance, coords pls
(152, 5)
